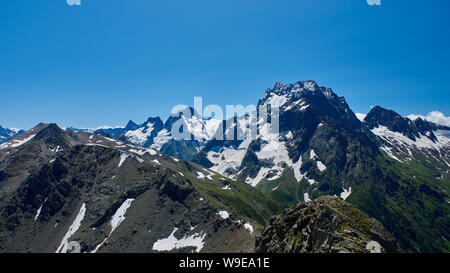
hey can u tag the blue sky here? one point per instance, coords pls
(108, 61)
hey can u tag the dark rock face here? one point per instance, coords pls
(326, 225)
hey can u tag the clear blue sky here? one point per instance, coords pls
(108, 61)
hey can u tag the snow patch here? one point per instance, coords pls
(421, 142)
(303, 108)
(55, 150)
(14, 143)
(311, 181)
(156, 161)
(201, 129)
(161, 138)
(116, 220)
(142, 152)
(289, 135)
(388, 151)
(73, 228)
(277, 101)
(228, 158)
(140, 160)
(119, 216)
(434, 116)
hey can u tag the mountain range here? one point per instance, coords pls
(212, 195)
(6, 134)
(115, 197)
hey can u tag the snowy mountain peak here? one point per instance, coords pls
(380, 116)
(284, 89)
(131, 125)
(8, 133)
(154, 120)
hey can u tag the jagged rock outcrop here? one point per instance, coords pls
(326, 225)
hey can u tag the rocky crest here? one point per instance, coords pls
(6, 133)
(326, 225)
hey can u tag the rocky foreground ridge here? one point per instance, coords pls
(325, 225)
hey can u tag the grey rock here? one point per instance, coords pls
(326, 225)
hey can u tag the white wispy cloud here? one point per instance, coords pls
(434, 116)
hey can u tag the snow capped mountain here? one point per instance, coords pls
(361, 116)
(402, 137)
(197, 127)
(6, 133)
(302, 97)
